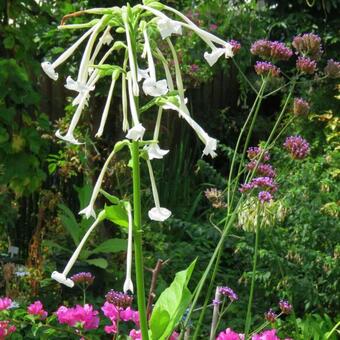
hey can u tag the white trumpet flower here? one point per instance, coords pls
(89, 210)
(167, 27)
(216, 53)
(155, 88)
(49, 68)
(157, 213)
(128, 284)
(62, 277)
(137, 131)
(209, 142)
(115, 76)
(132, 61)
(142, 74)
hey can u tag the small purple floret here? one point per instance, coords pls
(301, 107)
(270, 316)
(226, 291)
(285, 306)
(297, 147)
(264, 68)
(265, 196)
(306, 65)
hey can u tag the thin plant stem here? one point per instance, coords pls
(222, 314)
(138, 240)
(244, 76)
(265, 324)
(251, 295)
(333, 330)
(84, 296)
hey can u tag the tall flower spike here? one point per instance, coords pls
(132, 61)
(137, 131)
(157, 213)
(62, 277)
(151, 86)
(115, 76)
(49, 68)
(125, 126)
(154, 151)
(209, 142)
(89, 210)
(75, 119)
(128, 285)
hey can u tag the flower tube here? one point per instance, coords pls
(128, 285)
(49, 68)
(157, 213)
(151, 86)
(62, 277)
(115, 76)
(137, 131)
(132, 61)
(75, 119)
(209, 142)
(105, 39)
(89, 210)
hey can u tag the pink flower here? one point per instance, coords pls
(174, 336)
(5, 303)
(213, 27)
(77, 316)
(111, 329)
(135, 335)
(229, 334)
(110, 311)
(266, 335)
(37, 308)
(129, 314)
(6, 329)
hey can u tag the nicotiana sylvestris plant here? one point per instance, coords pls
(134, 32)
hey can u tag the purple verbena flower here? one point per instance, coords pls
(226, 291)
(194, 68)
(270, 316)
(254, 152)
(332, 70)
(297, 147)
(306, 65)
(271, 50)
(262, 169)
(213, 27)
(265, 196)
(301, 107)
(236, 46)
(83, 278)
(308, 44)
(285, 306)
(264, 68)
(119, 299)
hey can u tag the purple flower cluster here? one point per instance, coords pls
(226, 291)
(274, 50)
(265, 196)
(119, 299)
(254, 152)
(306, 65)
(264, 68)
(236, 46)
(285, 306)
(301, 107)
(270, 316)
(297, 147)
(266, 183)
(308, 44)
(262, 169)
(83, 278)
(332, 69)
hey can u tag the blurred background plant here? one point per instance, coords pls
(43, 182)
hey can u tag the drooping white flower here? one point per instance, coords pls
(115, 76)
(136, 132)
(157, 213)
(167, 27)
(143, 74)
(107, 38)
(89, 210)
(82, 89)
(216, 53)
(155, 88)
(49, 68)
(128, 284)
(209, 142)
(155, 152)
(62, 277)
(68, 137)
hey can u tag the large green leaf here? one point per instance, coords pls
(171, 305)
(113, 245)
(117, 214)
(70, 223)
(99, 262)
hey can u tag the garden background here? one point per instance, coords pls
(44, 182)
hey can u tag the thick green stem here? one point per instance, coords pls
(251, 295)
(208, 295)
(138, 240)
